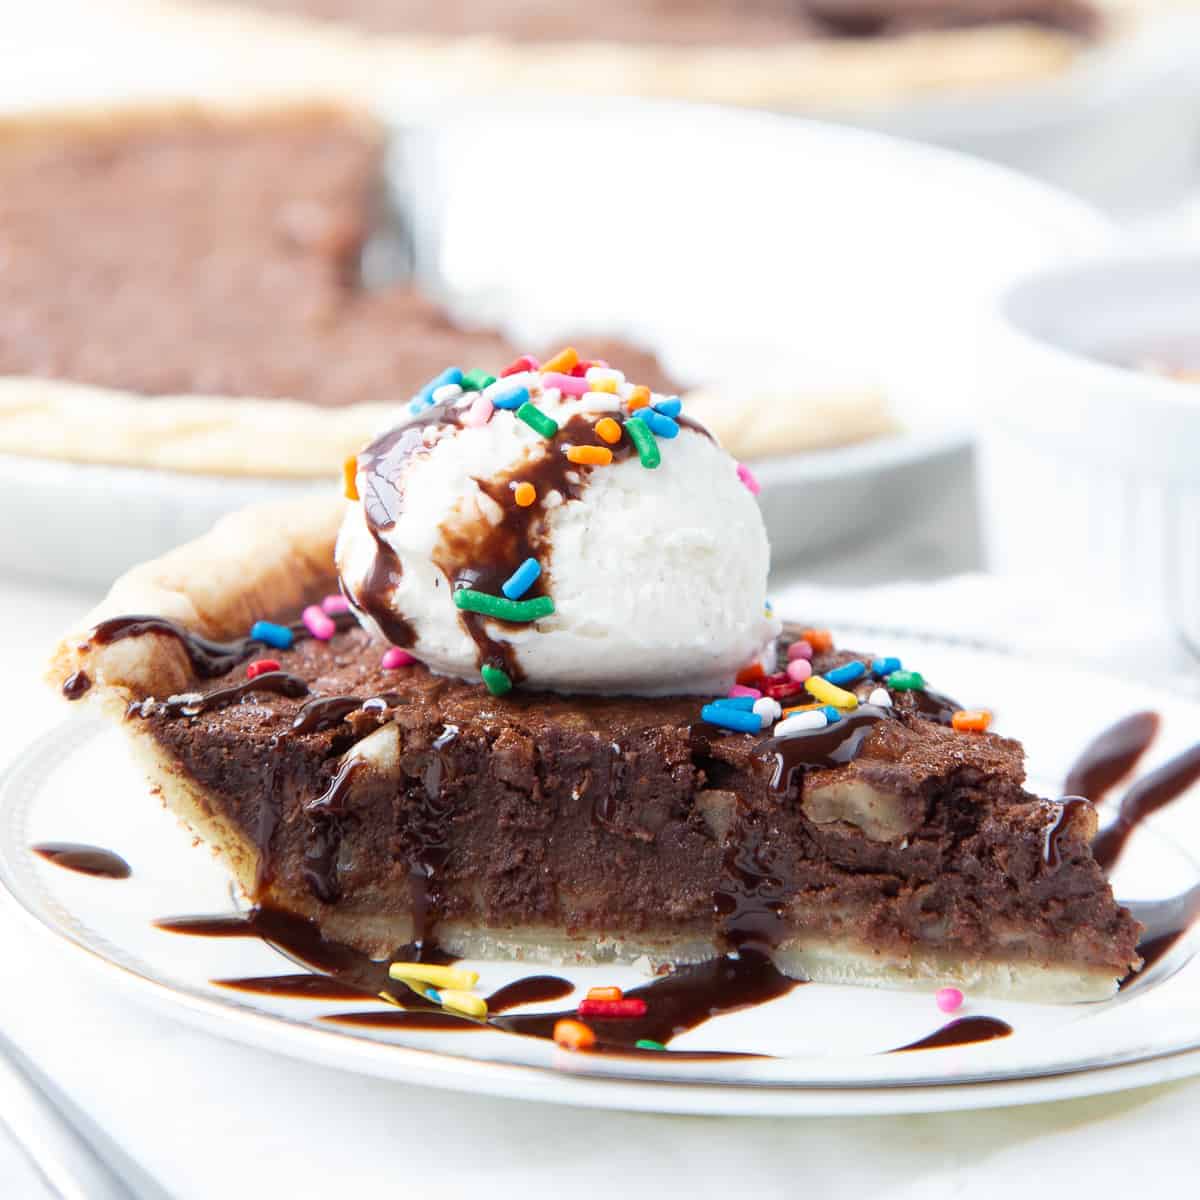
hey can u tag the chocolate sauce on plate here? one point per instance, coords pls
(966, 1031)
(87, 860)
(1111, 756)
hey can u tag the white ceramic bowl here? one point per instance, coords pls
(1090, 468)
(745, 245)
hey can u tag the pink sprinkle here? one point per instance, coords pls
(480, 412)
(747, 477)
(569, 385)
(396, 657)
(740, 689)
(799, 669)
(317, 623)
(800, 649)
(949, 999)
(335, 604)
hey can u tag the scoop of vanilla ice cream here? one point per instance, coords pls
(657, 576)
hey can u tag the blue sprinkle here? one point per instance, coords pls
(279, 636)
(731, 718)
(882, 667)
(522, 579)
(832, 713)
(424, 398)
(433, 994)
(851, 672)
(660, 425)
(512, 397)
(417, 405)
(744, 703)
(671, 407)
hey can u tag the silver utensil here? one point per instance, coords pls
(75, 1156)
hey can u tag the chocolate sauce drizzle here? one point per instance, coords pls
(87, 860)
(1109, 758)
(75, 686)
(277, 683)
(326, 712)
(963, 1032)
(1056, 830)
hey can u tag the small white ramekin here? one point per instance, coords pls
(1090, 469)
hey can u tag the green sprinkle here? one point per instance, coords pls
(648, 1044)
(503, 608)
(644, 443)
(496, 680)
(906, 681)
(537, 420)
(476, 381)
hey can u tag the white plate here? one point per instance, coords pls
(777, 251)
(76, 784)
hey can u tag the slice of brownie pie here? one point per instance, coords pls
(518, 695)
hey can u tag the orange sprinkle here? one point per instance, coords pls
(605, 993)
(590, 456)
(524, 494)
(609, 430)
(638, 398)
(752, 675)
(787, 712)
(821, 640)
(350, 477)
(563, 361)
(573, 1035)
(971, 721)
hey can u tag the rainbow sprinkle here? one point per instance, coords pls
(522, 579)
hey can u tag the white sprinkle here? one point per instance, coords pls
(604, 375)
(624, 390)
(552, 499)
(446, 393)
(769, 710)
(880, 698)
(529, 379)
(492, 512)
(800, 722)
(552, 395)
(602, 401)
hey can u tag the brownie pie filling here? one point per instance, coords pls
(400, 806)
(177, 255)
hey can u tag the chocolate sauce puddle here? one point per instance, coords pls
(87, 860)
(75, 686)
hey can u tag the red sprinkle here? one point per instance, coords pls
(633, 1006)
(581, 368)
(260, 666)
(781, 691)
(752, 676)
(525, 363)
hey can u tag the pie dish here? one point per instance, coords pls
(214, 314)
(599, 809)
(824, 56)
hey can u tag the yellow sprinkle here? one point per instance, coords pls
(829, 693)
(413, 985)
(440, 977)
(467, 1003)
(563, 362)
(603, 385)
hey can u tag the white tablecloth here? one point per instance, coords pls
(214, 1119)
